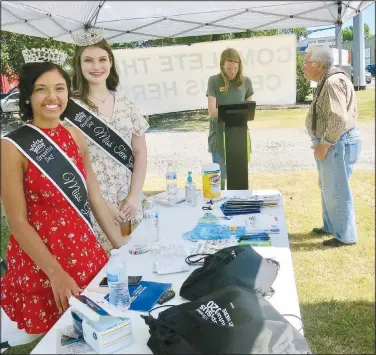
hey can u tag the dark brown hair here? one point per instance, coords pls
(80, 84)
(29, 74)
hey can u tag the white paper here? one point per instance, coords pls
(170, 265)
(75, 347)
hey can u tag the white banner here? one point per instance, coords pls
(174, 78)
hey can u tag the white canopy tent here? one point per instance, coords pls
(130, 21)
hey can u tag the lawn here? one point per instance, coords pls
(273, 118)
(335, 286)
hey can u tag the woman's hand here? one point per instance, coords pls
(130, 207)
(119, 216)
(63, 287)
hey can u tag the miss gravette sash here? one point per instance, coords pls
(48, 157)
(101, 133)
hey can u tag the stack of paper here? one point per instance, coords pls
(236, 206)
(262, 224)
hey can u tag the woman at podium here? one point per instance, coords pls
(227, 87)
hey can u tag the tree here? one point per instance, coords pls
(348, 33)
(300, 32)
(12, 45)
(303, 86)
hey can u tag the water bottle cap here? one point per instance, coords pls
(115, 252)
(189, 179)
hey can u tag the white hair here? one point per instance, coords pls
(321, 53)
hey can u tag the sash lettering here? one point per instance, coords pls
(100, 133)
(48, 157)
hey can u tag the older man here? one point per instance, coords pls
(332, 124)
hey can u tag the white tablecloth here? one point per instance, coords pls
(173, 222)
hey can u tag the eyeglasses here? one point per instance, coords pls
(305, 63)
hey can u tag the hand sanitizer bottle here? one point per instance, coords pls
(190, 190)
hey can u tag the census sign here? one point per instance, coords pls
(174, 78)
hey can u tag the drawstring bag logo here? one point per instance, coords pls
(211, 311)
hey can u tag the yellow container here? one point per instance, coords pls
(211, 181)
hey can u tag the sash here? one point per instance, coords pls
(101, 133)
(48, 157)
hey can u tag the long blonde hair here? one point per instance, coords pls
(231, 55)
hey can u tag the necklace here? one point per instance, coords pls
(101, 100)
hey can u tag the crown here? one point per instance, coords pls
(44, 55)
(37, 146)
(88, 36)
(80, 117)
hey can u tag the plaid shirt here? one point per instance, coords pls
(336, 109)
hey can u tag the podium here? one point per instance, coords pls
(235, 118)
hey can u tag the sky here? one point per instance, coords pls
(368, 18)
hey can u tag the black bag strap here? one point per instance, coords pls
(163, 306)
(199, 261)
(268, 294)
(273, 261)
(295, 316)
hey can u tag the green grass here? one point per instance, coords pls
(336, 287)
(274, 118)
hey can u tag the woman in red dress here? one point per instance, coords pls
(52, 252)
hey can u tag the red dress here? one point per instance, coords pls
(26, 293)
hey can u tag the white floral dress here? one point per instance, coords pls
(114, 179)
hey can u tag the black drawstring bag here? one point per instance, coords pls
(230, 321)
(233, 266)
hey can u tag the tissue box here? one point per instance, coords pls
(103, 332)
(109, 337)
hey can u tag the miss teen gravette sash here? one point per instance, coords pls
(102, 134)
(48, 157)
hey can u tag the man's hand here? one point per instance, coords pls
(320, 150)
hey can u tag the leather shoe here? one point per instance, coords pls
(320, 231)
(335, 243)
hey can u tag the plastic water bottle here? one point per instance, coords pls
(151, 221)
(190, 190)
(172, 188)
(117, 279)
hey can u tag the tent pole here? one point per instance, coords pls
(358, 53)
(338, 31)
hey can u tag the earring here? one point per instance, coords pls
(27, 102)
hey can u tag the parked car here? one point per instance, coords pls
(10, 102)
(11, 91)
(368, 76)
(371, 68)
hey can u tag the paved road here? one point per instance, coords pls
(284, 149)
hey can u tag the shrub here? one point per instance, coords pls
(302, 83)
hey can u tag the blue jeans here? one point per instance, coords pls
(334, 174)
(217, 158)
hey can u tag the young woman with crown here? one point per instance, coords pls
(118, 149)
(48, 188)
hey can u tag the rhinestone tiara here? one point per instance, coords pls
(88, 37)
(44, 55)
